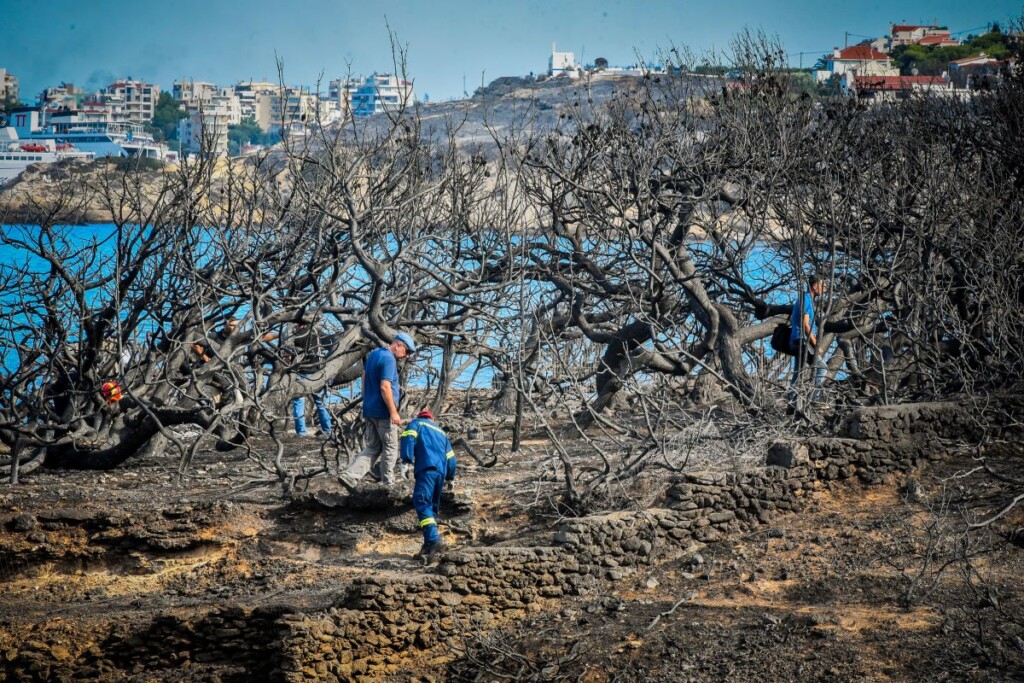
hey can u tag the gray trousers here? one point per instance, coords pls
(381, 443)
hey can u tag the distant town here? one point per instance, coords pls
(130, 117)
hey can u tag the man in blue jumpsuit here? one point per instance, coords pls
(427, 448)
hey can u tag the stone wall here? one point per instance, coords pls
(381, 623)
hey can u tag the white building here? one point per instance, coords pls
(204, 131)
(907, 34)
(863, 60)
(379, 93)
(223, 103)
(562, 63)
(135, 99)
(191, 91)
(8, 85)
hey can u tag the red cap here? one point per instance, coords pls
(427, 414)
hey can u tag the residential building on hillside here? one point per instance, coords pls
(379, 93)
(562, 63)
(109, 109)
(193, 91)
(204, 131)
(889, 88)
(136, 99)
(979, 72)
(63, 96)
(221, 103)
(8, 85)
(907, 34)
(292, 105)
(254, 101)
(340, 90)
(863, 60)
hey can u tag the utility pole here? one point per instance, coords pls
(846, 39)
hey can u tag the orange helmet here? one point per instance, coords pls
(111, 392)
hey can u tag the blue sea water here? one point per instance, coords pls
(761, 268)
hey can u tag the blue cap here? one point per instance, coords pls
(407, 340)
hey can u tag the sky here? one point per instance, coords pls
(452, 46)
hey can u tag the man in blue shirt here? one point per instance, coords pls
(380, 410)
(427, 448)
(802, 339)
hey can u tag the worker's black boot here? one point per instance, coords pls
(430, 551)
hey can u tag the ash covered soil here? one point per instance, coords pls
(92, 564)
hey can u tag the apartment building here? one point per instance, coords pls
(193, 91)
(379, 93)
(292, 105)
(8, 85)
(205, 131)
(135, 100)
(340, 90)
(63, 96)
(254, 101)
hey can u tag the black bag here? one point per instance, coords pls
(781, 335)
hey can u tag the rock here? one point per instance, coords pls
(788, 454)
(24, 522)
(776, 532)
(652, 583)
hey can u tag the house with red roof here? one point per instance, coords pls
(859, 59)
(914, 34)
(889, 88)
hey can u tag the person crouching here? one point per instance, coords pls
(425, 446)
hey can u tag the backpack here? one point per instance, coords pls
(781, 335)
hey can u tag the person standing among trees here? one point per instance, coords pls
(381, 397)
(305, 350)
(803, 342)
(426, 447)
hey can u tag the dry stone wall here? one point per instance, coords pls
(382, 622)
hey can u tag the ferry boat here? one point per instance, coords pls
(86, 132)
(16, 155)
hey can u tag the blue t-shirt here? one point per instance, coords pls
(796, 319)
(380, 365)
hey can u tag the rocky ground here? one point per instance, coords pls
(133, 575)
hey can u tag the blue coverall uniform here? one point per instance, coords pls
(427, 448)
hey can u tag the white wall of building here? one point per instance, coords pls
(562, 63)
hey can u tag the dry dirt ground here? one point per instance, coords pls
(91, 562)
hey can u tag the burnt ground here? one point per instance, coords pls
(93, 564)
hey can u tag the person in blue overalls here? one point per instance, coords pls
(425, 446)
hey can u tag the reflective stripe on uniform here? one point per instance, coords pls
(450, 454)
(427, 522)
(435, 428)
(410, 432)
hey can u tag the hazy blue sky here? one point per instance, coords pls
(89, 42)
